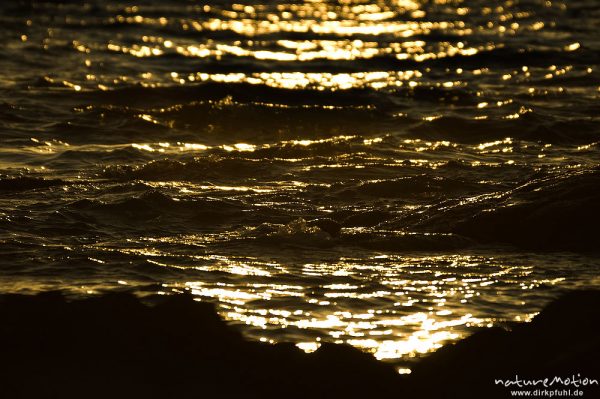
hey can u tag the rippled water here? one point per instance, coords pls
(389, 174)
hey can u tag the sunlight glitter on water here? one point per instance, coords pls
(370, 173)
(393, 306)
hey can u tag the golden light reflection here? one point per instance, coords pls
(308, 347)
(392, 305)
(403, 306)
(302, 80)
(400, 20)
(330, 31)
(303, 51)
(179, 147)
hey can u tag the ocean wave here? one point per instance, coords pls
(326, 233)
(25, 183)
(554, 212)
(138, 95)
(199, 169)
(416, 186)
(154, 211)
(528, 125)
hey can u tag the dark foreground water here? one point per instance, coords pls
(162, 146)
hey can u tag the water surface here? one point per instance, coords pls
(162, 146)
